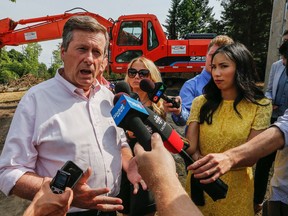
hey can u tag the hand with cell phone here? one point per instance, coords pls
(67, 176)
(70, 175)
(60, 181)
(46, 202)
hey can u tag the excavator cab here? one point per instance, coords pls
(130, 34)
(136, 36)
(128, 44)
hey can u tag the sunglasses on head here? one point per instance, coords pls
(143, 73)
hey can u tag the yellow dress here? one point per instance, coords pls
(227, 131)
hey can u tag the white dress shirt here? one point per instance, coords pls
(54, 123)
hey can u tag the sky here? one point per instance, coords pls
(26, 9)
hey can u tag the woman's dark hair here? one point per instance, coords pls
(245, 81)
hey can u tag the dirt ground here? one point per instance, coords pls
(9, 206)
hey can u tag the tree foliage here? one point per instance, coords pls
(186, 16)
(194, 16)
(6, 76)
(14, 64)
(56, 61)
(249, 23)
(245, 21)
(5, 73)
(32, 52)
(171, 21)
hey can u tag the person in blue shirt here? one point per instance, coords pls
(193, 87)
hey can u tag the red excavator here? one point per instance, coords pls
(130, 36)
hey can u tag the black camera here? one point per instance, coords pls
(60, 181)
(67, 176)
(75, 172)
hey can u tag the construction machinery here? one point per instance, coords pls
(130, 36)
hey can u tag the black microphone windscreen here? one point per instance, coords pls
(135, 96)
(147, 85)
(117, 96)
(122, 86)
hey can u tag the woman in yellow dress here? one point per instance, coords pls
(231, 111)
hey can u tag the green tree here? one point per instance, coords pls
(171, 21)
(15, 67)
(9, 67)
(194, 16)
(189, 16)
(31, 54)
(42, 71)
(15, 55)
(6, 76)
(4, 57)
(15, 62)
(56, 61)
(249, 23)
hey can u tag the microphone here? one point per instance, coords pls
(171, 139)
(123, 86)
(174, 144)
(156, 91)
(126, 108)
(128, 114)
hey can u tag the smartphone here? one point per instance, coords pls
(75, 173)
(59, 182)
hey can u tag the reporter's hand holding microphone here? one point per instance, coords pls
(156, 91)
(157, 168)
(159, 161)
(169, 108)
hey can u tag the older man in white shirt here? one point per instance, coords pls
(68, 118)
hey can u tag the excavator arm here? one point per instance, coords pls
(41, 28)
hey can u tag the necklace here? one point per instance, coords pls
(145, 101)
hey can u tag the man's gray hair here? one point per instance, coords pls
(84, 23)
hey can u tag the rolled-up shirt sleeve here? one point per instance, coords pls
(54, 123)
(19, 155)
(282, 124)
